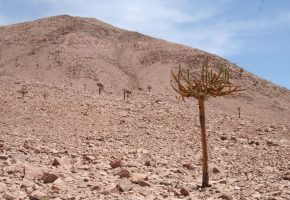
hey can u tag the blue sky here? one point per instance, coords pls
(254, 34)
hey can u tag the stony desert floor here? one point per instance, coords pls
(59, 142)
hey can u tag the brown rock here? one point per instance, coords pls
(49, 177)
(3, 157)
(147, 163)
(223, 137)
(57, 162)
(225, 197)
(184, 192)
(116, 163)
(124, 173)
(215, 170)
(144, 183)
(286, 177)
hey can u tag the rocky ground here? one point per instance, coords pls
(63, 143)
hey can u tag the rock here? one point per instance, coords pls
(49, 177)
(3, 157)
(124, 173)
(58, 162)
(124, 185)
(84, 167)
(103, 166)
(55, 189)
(32, 173)
(28, 144)
(27, 184)
(257, 195)
(2, 187)
(110, 189)
(18, 159)
(37, 195)
(254, 142)
(131, 164)
(215, 170)
(94, 186)
(89, 158)
(144, 183)
(9, 196)
(143, 191)
(188, 166)
(287, 176)
(59, 182)
(165, 183)
(184, 192)
(223, 137)
(116, 163)
(225, 197)
(147, 163)
(136, 178)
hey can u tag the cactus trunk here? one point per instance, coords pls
(205, 177)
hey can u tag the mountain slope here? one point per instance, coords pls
(74, 51)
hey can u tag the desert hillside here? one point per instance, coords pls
(61, 139)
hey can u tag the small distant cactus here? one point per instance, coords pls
(239, 110)
(127, 93)
(241, 72)
(45, 95)
(209, 84)
(101, 87)
(23, 90)
(149, 88)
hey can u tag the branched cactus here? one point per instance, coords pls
(149, 88)
(45, 95)
(127, 93)
(101, 87)
(210, 84)
(23, 90)
(241, 72)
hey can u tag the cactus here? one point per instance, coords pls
(127, 93)
(239, 110)
(210, 84)
(149, 88)
(23, 90)
(101, 87)
(241, 71)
